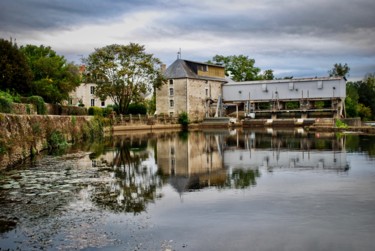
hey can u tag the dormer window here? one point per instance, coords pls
(202, 67)
(171, 82)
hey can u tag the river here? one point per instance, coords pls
(204, 190)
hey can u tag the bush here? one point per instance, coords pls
(5, 105)
(137, 109)
(183, 119)
(56, 140)
(108, 111)
(340, 124)
(38, 102)
(95, 111)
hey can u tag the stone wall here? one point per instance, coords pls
(24, 135)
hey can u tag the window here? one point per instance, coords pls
(92, 89)
(171, 82)
(171, 114)
(264, 87)
(320, 84)
(92, 102)
(103, 103)
(171, 103)
(202, 68)
(170, 91)
(206, 92)
(291, 86)
(172, 150)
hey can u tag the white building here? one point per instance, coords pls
(85, 94)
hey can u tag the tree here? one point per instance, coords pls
(15, 73)
(339, 70)
(123, 73)
(351, 100)
(366, 92)
(267, 75)
(239, 68)
(53, 77)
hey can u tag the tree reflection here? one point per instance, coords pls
(133, 184)
(240, 178)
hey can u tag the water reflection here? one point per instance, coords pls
(140, 164)
(291, 149)
(129, 160)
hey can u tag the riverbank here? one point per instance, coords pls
(22, 136)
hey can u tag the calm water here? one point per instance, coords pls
(225, 190)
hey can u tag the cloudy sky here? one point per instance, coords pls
(300, 38)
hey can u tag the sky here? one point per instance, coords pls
(299, 38)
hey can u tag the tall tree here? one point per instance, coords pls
(53, 77)
(123, 73)
(239, 68)
(366, 92)
(339, 70)
(15, 73)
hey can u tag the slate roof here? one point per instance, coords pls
(181, 69)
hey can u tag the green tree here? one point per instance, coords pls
(53, 77)
(239, 68)
(15, 73)
(366, 92)
(124, 73)
(339, 70)
(267, 75)
(351, 100)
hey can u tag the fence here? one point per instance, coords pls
(144, 119)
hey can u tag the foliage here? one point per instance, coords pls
(364, 112)
(93, 129)
(339, 70)
(360, 99)
(6, 101)
(38, 102)
(95, 111)
(107, 111)
(267, 75)
(151, 105)
(138, 108)
(183, 119)
(56, 140)
(292, 105)
(124, 73)
(340, 124)
(239, 68)
(14, 71)
(53, 77)
(319, 104)
(5, 105)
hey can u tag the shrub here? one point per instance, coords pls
(183, 119)
(38, 102)
(56, 140)
(137, 109)
(95, 111)
(340, 124)
(5, 105)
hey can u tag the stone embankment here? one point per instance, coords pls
(22, 136)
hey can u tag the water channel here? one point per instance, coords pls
(206, 190)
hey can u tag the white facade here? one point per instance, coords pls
(288, 89)
(85, 94)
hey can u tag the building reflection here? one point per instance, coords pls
(191, 160)
(290, 149)
(138, 165)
